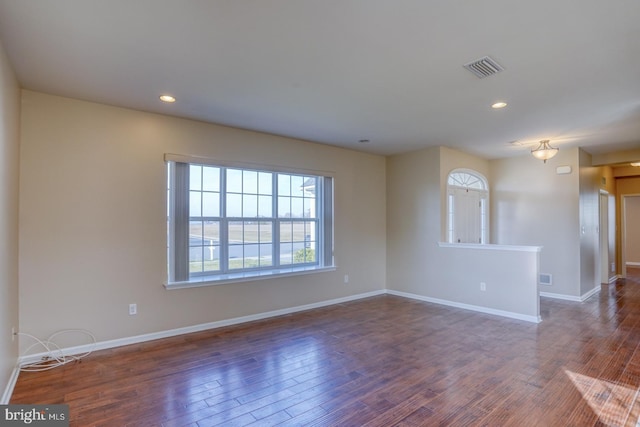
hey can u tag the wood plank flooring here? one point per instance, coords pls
(382, 361)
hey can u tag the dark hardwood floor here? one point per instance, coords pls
(382, 361)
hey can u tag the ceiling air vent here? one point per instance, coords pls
(484, 67)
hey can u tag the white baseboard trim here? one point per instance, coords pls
(613, 279)
(560, 296)
(8, 391)
(589, 294)
(103, 345)
(581, 298)
(486, 310)
(633, 264)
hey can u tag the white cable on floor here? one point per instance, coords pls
(55, 356)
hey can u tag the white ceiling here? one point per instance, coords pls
(337, 71)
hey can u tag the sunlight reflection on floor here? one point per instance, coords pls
(612, 403)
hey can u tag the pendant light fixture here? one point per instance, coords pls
(544, 151)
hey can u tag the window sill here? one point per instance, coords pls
(221, 279)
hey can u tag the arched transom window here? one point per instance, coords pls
(467, 207)
(466, 180)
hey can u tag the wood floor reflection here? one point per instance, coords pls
(382, 361)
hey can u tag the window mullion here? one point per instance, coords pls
(224, 223)
(276, 220)
(326, 215)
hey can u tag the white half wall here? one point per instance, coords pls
(502, 278)
(418, 265)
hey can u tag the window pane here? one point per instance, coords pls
(309, 208)
(211, 248)
(251, 232)
(251, 256)
(266, 232)
(265, 206)
(309, 185)
(210, 178)
(297, 208)
(309, 231)
(286, 253)
(195, 259)
(249, 206)
(234, 205)
(298, 231)
(265, 183)
(234, 180)
(466, 180)
(298, 253)
(211, 233)
(236, 244)
(310, 254)
(235, 232)
(284, 207)
(296, 185)
(210, 204)
(236, 257)
(211, 258)
(266, 255)
(304, 255)
(195, 203)
(284, 185)
(286, 231)
(250, 182)
(195, 177)
(195, 233)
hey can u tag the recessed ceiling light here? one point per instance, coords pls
(498, 105)
(167, 98)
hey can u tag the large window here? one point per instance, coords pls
(229, 222)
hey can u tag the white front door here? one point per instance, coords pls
(467, 227)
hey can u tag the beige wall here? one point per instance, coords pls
(532, 205)
(413, 219)
(93, 225)
(590, 185)
(9, 162)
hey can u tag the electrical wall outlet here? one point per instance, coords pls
(133, 309)
(346, 278)
(13, 333)
(483, 286)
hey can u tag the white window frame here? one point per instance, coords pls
(468, 180)
(179, 220)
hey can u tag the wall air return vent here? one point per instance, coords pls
(545, 279)
(484, 67)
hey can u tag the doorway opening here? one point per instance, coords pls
(467, 207)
